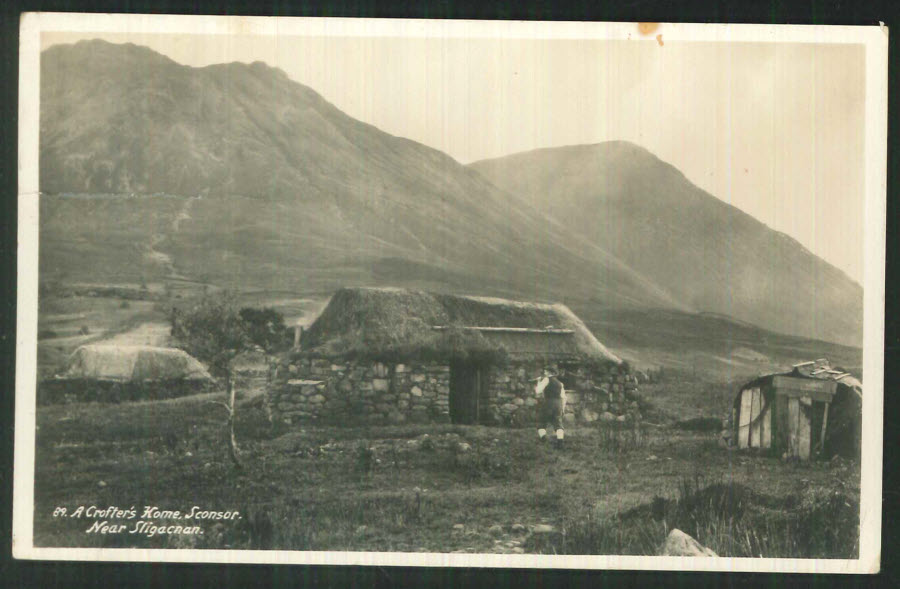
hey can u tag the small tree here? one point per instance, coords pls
(213, 331)
(265, 328)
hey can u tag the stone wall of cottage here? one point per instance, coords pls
(592, 393)
(357, 391)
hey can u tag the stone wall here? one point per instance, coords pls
(359, 392)
(356, 391)
(592, 393)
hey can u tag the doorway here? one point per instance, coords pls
(467, 392)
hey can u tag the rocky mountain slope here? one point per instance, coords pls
(705, 253)
(272, 185)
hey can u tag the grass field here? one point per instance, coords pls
(434, 488)
(442, 488)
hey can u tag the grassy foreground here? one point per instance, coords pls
(428, 487)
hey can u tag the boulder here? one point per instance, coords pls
(607, 416)
(680, 544)
(589, 415)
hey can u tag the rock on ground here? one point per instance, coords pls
(589, 415)
(680, 544)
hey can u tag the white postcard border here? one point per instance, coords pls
(875, 40)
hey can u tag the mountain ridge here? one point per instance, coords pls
(648, 214)
(631, 145)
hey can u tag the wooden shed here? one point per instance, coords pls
(812, 410)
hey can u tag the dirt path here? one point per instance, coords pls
(164, 259)
(146, 334)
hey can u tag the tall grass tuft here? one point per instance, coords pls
(730, 519)
(617, 437)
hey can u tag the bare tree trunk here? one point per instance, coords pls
(232, 443)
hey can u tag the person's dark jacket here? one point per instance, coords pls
(554, 389)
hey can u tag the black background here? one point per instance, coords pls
(67, 574)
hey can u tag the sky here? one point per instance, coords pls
(776, 129)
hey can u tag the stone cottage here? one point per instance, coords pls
(390, 355)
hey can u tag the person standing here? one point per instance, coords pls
(553, 407)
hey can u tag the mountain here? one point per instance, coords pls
(703, 252)
(236, 175)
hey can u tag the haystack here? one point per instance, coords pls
(133, 364)
(107, 373)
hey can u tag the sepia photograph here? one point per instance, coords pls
(450, 293)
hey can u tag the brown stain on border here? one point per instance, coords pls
(647, 28)
(659, 40)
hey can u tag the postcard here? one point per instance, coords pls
(450, 293)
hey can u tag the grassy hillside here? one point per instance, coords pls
(705, 253)
(276, 188)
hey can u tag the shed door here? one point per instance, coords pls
(755, 420)
(466, 388)
(745, 416)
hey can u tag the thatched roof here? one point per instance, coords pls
(393, 322)
(133, 363)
